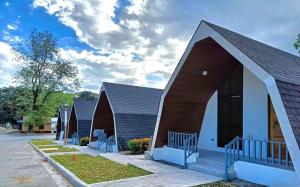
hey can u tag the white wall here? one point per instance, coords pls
(265, 175)
(255, 111)
(173, 155)
(255, 114)
(208, 133)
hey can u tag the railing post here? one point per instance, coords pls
(254, 150)
(168, 138)
(286, 156)
(273, 157)
(226, 163)
(279, 153)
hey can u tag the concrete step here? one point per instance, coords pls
(216, 171)
(214, 167)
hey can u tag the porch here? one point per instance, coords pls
(103, 143)
(235, 159)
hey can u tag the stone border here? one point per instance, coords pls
(73, 179)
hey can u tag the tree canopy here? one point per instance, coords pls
(297, 43)
(43, 72)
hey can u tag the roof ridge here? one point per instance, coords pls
(262, 43)
(120, 84)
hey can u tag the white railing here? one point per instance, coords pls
(273, 153)
(185, 141)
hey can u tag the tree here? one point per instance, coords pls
(14, 102)
(43, 71)
(297, 43)
(86, 95)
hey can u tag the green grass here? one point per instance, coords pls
(49, 146)
(60, 150)
(42, 142)
(218, 184)
(97, 169)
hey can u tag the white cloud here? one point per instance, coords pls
(151, 36)
(12, 27)
(7, 65)
(7, 4)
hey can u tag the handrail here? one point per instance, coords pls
(190, 147)
(257, 151)
(185, 141)
(110, 143)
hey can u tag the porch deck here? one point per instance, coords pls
(210, 162)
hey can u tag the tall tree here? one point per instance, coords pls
(14, 102)
(42, 70)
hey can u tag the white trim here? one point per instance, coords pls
(76, 122)
(204, 31)
(102, 89)
(96, 106)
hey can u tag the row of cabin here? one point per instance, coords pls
(232, 107)
(122, 112)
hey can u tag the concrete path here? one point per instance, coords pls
(20, 165)
(164, 175)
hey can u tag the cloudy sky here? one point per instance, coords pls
(137, 41)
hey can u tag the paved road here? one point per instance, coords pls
(20, 165)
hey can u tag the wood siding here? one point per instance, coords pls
(59, 126)
(72, 123)
(103, 117)
(185, 103)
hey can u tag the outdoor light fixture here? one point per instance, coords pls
(204, 73)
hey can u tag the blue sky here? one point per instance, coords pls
(137, 41)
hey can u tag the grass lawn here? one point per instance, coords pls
(42, 142)
(60, 149)
(218, 184)
(97, 169)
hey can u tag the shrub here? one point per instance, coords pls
(138, 145)
(84, 141)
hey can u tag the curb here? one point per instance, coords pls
(65, 172)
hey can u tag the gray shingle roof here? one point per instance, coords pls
(132, 99)
(62, 113)
(84, 109)
(281, 65)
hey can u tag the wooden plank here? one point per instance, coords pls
(185, 103)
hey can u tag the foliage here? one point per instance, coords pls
(84, 141)
(14, 102)
(43, 72)
(86, 95)
(138, 145)
(87, 168)
(297, 43)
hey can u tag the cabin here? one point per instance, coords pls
(232, 108)
(60, 126)
(46, 128)
(80, 120)
(122, 113)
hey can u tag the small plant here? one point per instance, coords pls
(84, 141)
(138, 145)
